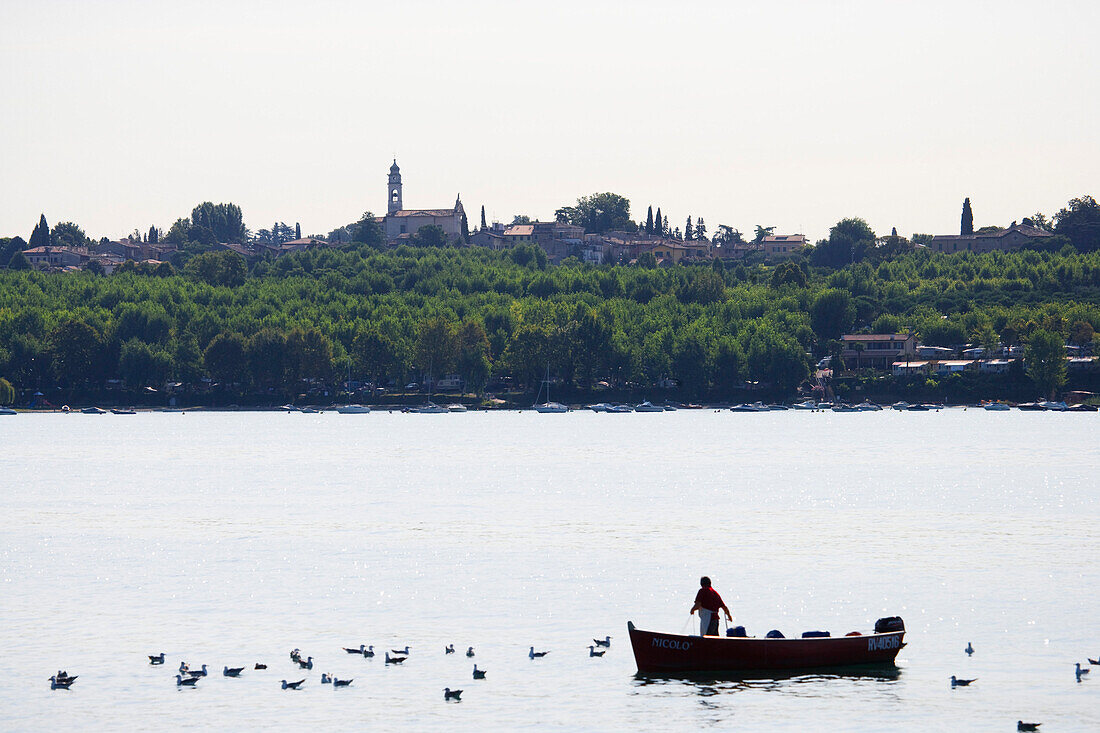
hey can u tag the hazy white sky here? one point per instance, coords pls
(119, 115)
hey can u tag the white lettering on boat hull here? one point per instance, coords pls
(672, 644)
(878, 643)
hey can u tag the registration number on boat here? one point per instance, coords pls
(883, 642)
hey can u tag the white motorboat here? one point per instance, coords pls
(93, 411)
(456, 407)
(903, 405)
(620, 408)
(866, 406)
(754, 407)
(7, 411)
(670, 408)
(648, 406)
(599, 407)
(289, 408)
(996, 407)
(1053, 406)
(841, 407)
(807, 405)
(430, 409)
(353, 409)
(309, 410)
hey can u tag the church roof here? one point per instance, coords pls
(423, 212)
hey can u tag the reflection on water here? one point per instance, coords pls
(802, 682)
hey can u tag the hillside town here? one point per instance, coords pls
(560, 239)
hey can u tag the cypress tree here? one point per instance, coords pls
(297, 230)
(154, 235)
(967, 219)
(483, 217)
(659, 224)
(40, 237)
(664, 225)
(700, 229)
(689, 230)
(649, 221)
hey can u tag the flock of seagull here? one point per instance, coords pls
(1020, 725)
(187, 677)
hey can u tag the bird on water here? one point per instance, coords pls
(355, 651)
(394, 660)
(369, 651)
(969, 649)
(469, 651)
(479, 674)
(404, 651)
(232, 671)
(292, 685)
(156, 658)
(308, 664)
(450, 649)
(535, 655)
(1021, 725)
(593, 653)
(449, 694)
(260, 666)
(198, 672)
(961, 683)
(188, 682)
(60, 684)
(1081, 672)
(606, 642)
(340, 683)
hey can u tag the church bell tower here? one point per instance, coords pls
(394, 189)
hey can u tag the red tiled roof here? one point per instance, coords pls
(422, 212)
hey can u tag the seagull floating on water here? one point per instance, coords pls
(394, 660)
(308, 664)
(355, 651)
(296, 655)
(1021, 725)
(535, 655)
(292, 685)
(63, 676)
(593, 653)
(340, 683)
(183, 667)
(479, 674)
(232, 671)
(961, 683)
(605, 642)
(1081, 672)
(449, 694)
(260, 666)
(404, 651)
(450, 649)
(969, 648)
(325, 679)
(197, 672)
(186, 682)
(157, 658)
(470, 651)
(369, 652)
(62, 684)
(1094, 661)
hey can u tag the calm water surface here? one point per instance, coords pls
(232, 538)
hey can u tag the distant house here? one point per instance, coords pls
(1014, 237)
(488, 238)
(783, 245)
(951, 366)
(995, 366)
(47, 257)
(876, 350)
(910, 368)
(935, 352)
(519, 234)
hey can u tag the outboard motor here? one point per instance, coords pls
(888, 624)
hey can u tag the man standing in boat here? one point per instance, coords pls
(707, 603)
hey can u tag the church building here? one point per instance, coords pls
(399, 223)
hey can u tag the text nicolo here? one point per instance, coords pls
(672, 644)
(883, 642)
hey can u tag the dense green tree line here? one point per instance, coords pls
(314, 317)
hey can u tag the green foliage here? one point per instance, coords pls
(1079, 221)
(7, 392)
(67, 234)
(967, 226)
(850, 241)
(430, 235)
(1045, 357)
(599, 213)
(18, 262)
(217, 268)
(787, 273)
(40, 237)
(224, 222)
(832, 313)
(225, 358)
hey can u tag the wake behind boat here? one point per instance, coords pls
(657, 653)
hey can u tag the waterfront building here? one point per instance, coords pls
(876, 350)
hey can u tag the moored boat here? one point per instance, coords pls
(657, 653)
(996, 406)
(807, 405)
(648, 406)
(93, 411)
(353, 409)
(116, 411)
(456, 407)
(7, 411)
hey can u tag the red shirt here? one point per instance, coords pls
(709, 599)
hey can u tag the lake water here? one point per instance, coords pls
(232, 538)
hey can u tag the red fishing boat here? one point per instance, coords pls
(657, 653)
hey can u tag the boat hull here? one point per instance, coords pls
(673, 654)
